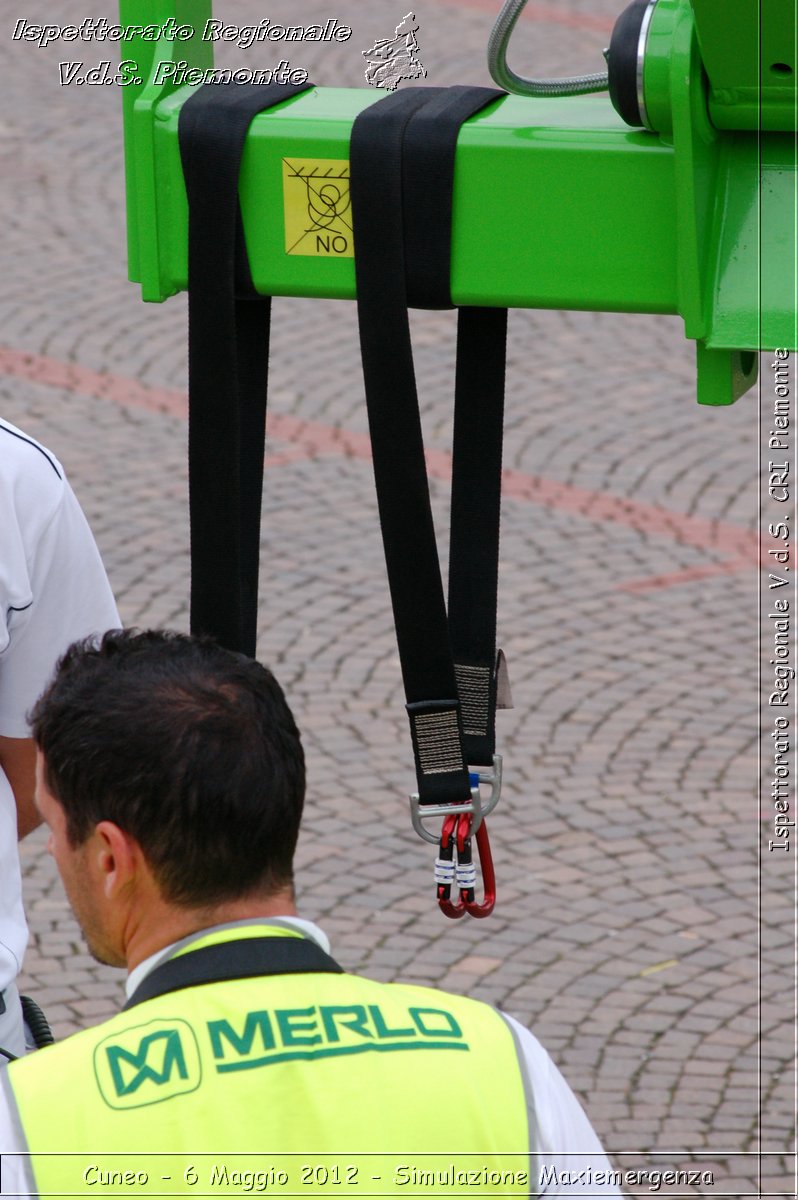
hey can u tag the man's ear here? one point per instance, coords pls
(117, 857)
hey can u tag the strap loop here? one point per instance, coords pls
(402, 162)
(228, 364)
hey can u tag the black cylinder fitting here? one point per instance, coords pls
(622, 63)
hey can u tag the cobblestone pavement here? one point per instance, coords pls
(631, 844)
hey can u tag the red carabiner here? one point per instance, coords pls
(467, 904)
(488, 877)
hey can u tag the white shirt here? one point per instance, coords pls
(53, 589)
(565, 1143)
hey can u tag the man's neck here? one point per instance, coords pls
(173, 923)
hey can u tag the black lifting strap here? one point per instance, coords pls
(244, 958)
(402, 169)
(228, 364)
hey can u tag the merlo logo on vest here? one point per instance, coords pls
(148, 1064)
(268, 1036)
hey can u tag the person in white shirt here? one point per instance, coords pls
(53, 589)
(171, 776)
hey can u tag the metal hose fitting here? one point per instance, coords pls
(506, 78)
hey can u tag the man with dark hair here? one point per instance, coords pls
(170, 773)
(191, 750)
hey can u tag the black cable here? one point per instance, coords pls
(36, 1022)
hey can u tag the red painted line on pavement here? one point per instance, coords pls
(312, 439)
(688, 575)
(540, 12)
(649, 519)
(73, 378)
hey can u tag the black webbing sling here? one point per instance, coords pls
(402, 256)
(244, 958)
(228, 345)
(402, 170)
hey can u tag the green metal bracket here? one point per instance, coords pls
(736, 190)
(696, 219)
(170, 19)
(748, 50)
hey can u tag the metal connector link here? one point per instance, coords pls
(476, 807)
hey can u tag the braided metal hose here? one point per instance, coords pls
(506, 78)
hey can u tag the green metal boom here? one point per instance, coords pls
(558, 203)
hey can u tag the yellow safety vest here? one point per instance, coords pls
(291, 1084)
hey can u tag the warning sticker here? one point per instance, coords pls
(318, 213)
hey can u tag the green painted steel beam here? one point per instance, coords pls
(557, 204)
